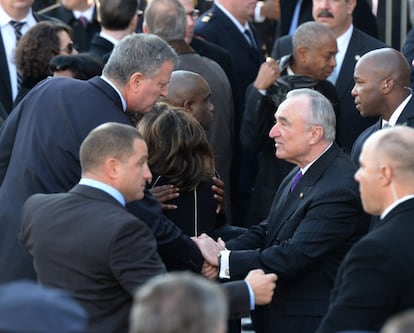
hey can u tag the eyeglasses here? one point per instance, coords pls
(68, 48)
(194, 14)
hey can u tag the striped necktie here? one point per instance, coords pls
(18, 33)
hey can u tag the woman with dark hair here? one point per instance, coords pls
(35, 49)
(179, 154)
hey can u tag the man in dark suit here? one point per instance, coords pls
(84, 241)
(49, 128)
(374, 281)
(310, 64)
(352, 44)
(81, 16)
(118, 19)
(226, 24)
(382, 89)
(19, 12)
(315, 218)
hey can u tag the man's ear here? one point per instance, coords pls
(385, 174)
(302, 55)
(135, 81)
(111, 168)
(317, 134)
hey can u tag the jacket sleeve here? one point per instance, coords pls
(177, 250)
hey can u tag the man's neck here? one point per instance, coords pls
(83, 6)
(116, 34)
(17, 13)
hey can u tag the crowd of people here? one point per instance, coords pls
(263, 148)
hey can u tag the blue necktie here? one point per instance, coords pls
(295, 18)
(250, 38)
(296, 180)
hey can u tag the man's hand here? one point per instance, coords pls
(268, 73)
(165, 193)
(209, 248)
(263, 285)
(218, 190)
(209, 271)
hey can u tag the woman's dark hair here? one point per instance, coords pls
(177, 146)
(36, 47)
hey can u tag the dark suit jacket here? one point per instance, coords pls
(84, 241)
(406, 118)
(375, 280)
(350, 124)
(81, 36)
(408, 51)
(215, 27)
(101, 47)
(257, 122)
(303, 241)
(5, 87)
(47, 128)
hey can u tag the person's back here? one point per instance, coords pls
(85, 241)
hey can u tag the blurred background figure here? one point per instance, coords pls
(82, 66)
(400, 323)
(179, 302)
(81, 16)
(35, 49)
(26, 307)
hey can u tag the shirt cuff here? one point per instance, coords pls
(257, 17)
(251, 294)
(224, 264)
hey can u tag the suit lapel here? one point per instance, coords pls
(286, 204)
(407, 116)
(4, 75)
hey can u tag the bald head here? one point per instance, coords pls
(382, 82)
(191, 91)
(387, 62)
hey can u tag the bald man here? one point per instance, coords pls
(192, 92)
(382, 88)
(375, 280)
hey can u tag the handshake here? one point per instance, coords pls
(262, 284)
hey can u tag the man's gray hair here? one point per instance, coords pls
(310, 35)
(144, 53)
(321, 112)
(179, 302)
(166, 18)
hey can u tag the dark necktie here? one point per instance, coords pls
(250, 37)
(296, 180)
(18, 33)
(84, 21)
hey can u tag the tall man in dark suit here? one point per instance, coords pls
(382, 89)
(315, 218)
(81, 15)
(20, 12)
(352, 44)
(49, 127)
(118, 19)
(85, 241)
(374, 281)
(227, 25)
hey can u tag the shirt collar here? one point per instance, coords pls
(5, 18)
(233, 19)
(109, 38)
(123, 101)
(395, 204)
(306, 168)
(87, 13)
(396, 114)
(112, 191)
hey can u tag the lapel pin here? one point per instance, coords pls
(301, 195)
(357, 57)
